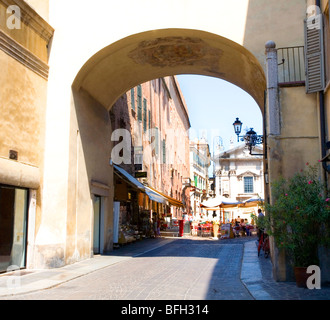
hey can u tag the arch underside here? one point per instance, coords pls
(159, 53)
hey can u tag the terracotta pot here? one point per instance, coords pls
(301, 276)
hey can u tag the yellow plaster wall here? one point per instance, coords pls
(22, 125)
(40, 6)
(22, 109)
(289, 153)
(26, 36)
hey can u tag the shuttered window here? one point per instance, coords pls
(164, 151)
(144, 115)
(139, 101)
(314, 54)
(132, 99)
(156, 141)
(149, 124)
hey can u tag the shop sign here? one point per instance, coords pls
(141, 174)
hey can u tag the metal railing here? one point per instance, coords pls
(291, 66)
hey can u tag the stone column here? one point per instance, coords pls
(274, 153)
(273, 110)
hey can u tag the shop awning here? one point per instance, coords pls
(155, 196)
(211, 208)
(171, 200)
(130, 179)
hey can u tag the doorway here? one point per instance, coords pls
(13, 227)
(97, 206)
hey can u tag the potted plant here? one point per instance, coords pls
(298, 219)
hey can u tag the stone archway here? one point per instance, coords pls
(113, 71)
(154, 54)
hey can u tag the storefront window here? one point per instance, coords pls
(13, 227)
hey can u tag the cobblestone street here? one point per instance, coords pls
(188, 268)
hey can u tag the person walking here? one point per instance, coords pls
(259, 223)
(154, 224)
(158, 227)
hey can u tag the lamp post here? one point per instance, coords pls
(251, 138)
(238, 128)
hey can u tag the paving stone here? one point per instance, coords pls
(188, 268)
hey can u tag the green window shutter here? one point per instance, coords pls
(139, 101)
(314, 54)
(164, 151)
(149, 124)
(144, 115)
(132, 99)
(157, 141)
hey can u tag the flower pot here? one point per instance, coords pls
(301, 276)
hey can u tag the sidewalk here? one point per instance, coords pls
(27, 281)
(257, 277)
(255, 273)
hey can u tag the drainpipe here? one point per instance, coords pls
(323, 130)
(323, 124)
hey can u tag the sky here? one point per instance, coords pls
(213, 106)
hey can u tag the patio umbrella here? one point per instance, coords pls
(253, 202)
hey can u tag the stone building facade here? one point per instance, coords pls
(24, 40)
(157, 122)
(239, 176)
(200, 161)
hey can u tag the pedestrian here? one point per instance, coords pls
(158, 227)
(243, 227)
(260, 214)
(154, 224)
(259, 223)
(247, 228)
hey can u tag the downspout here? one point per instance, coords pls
(323, 125)
(323, 131)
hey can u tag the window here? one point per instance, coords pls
(144, 115)
(149, 119)
(132, 99)
(248, 184)
(164, 151)
(139, 101)
(157, 141)
(314, 54)
(327, 45)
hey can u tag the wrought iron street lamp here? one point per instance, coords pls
(238, 128)
(251, 138)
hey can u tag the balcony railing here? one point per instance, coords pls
(291, 66)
